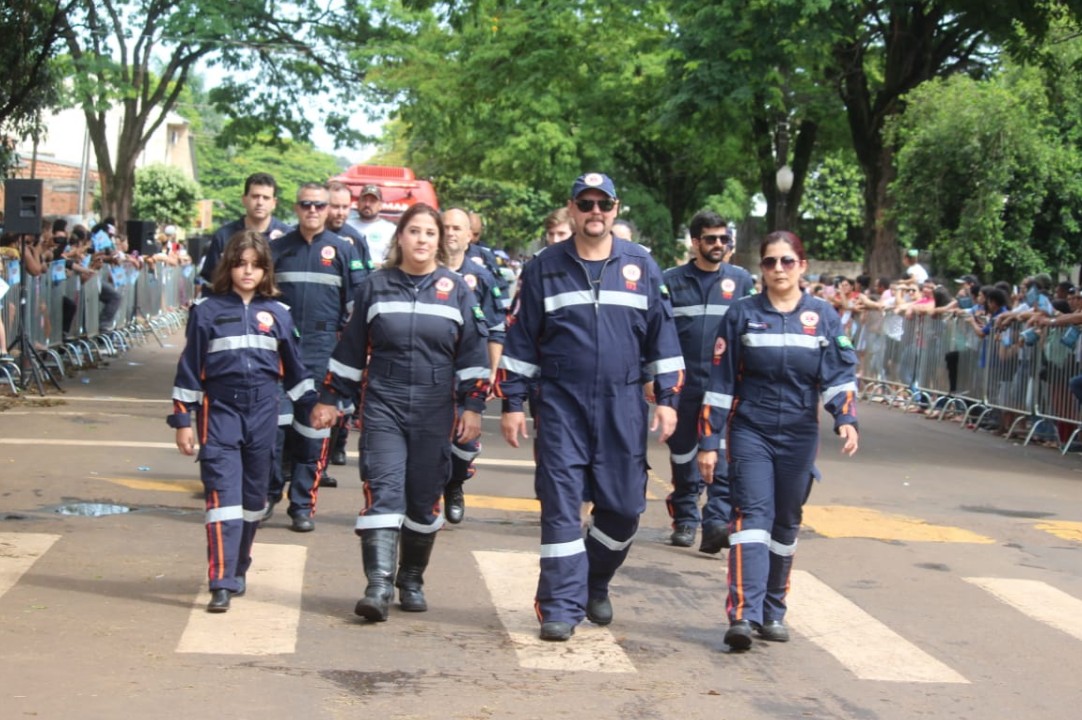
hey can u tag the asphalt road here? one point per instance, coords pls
(939, 575)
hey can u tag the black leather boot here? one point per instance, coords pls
(379, 550)
(454, 502)
(416, 549)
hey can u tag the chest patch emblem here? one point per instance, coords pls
(809, 320)
(444, 286)
(265, 320)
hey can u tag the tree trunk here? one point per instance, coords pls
(881, 257)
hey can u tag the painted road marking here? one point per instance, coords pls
(842, 521)
(87, 443)
(511, 578)
(179, 486)
(18, 552)
(1063, 529)
(865, 646)
(265, 620)
(499, 502)
(1038, 600)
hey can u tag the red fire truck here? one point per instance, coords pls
(398, 185)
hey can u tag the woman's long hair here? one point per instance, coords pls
(222, 283)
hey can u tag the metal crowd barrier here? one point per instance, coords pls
(61, 319)
(1014, 379)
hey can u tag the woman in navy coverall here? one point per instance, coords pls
(240, 343)
(418, 338)
(775, 356)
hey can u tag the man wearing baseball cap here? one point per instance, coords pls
(592, 314)
(377, 231)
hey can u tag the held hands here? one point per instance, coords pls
(186, 441)
(512, 426)
(708, 460)
(849, 434)
(323, 416)
(468, 426)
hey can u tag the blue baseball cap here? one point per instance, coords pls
(593, 181)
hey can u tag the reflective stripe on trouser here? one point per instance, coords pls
(462, 456)
(683, 502)
(581, 452)
(769, 475)
(405, 453)
(235, 470)
(307, 454)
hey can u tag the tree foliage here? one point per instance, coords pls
(165, 195)
(834, 204)
(28, 85)
(138, 55)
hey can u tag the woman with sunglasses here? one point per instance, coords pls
(776, 354)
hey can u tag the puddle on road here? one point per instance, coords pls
(85, 509)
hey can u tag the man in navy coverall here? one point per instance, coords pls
(590, 315)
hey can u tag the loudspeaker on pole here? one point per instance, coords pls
(23, 206)
(141, 237)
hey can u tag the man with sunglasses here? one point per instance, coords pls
(260, 199)
(702, 291)
(590, 314)
(313, 268)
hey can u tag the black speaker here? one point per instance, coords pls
(22, 206)
(141, 237)
(197, 245)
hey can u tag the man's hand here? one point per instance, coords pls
(665, 419)
(323, 416)
(708, 460)
(186, 441)
(851, 437)
(468, 426)
(513, 425)
(648, 392)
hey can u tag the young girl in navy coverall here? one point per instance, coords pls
(240, 343)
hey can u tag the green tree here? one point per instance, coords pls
(138, 55)
(833, 203)
(164, 194)
(978, 162)
(28, 85)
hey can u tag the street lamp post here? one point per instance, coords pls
(784, 181)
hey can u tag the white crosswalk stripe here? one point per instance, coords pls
(263, 622)
(18, 552)
(1038, 600)
(867, 647)
(511, 578)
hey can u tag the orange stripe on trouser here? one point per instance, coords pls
(736, 567)
(215, 543)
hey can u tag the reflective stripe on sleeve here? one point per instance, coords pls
(665, 365)
(373, 522)
(473, 373)
(308, 277)
(519, 366)
(745, 537)
(567, 549)
(285, 419)
(298, 390)
(718, 400)
(344, 371)
(614, 545)
(830, 392)
(187, 396)
(243, 342)
(221, 514)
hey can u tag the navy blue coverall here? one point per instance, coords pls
(316, 280)
(483, 256)
(228, 379)
(770, 370)
(221, 236)
(420, 345)
(699, 299)
(490, 299)
(586, 345)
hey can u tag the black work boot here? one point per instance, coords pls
(339, 438)
(416, 549)
(454, 502)
(379, 549)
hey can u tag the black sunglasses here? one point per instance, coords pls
(309, 204)
(604, 205)
(711, 239)
(787, 263)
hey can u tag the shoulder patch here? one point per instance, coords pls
(356, 265)
(664, 290)
(844, 342)
(478, 313)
